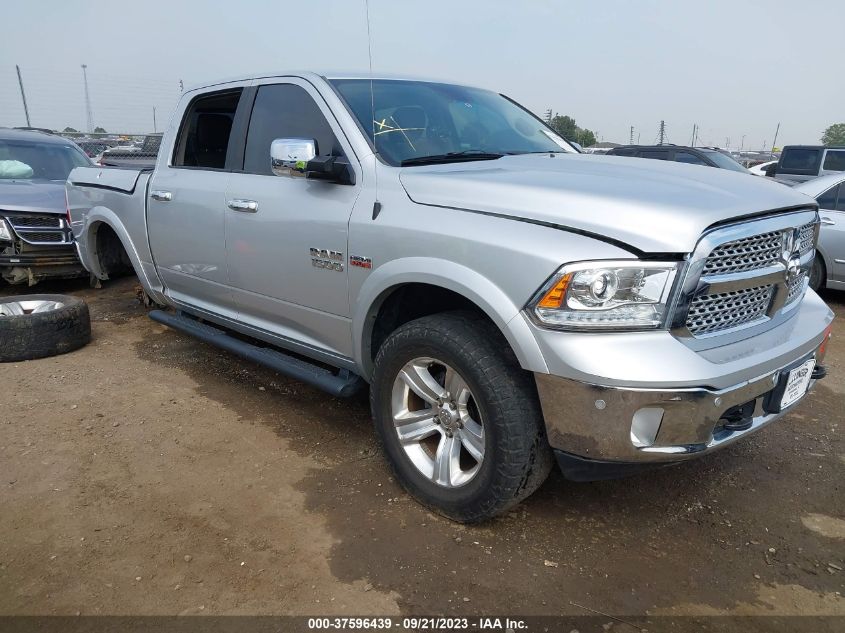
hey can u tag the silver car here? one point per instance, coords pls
(829, 266)
(508, 300)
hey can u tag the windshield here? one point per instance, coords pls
(725, 162)
(415, 119)
(26, 160)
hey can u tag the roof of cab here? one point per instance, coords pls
(312, 75)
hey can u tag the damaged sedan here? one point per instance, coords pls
(36, 242)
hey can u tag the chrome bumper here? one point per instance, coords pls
(652, 425)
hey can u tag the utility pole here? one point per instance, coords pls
(181, 86)
(661, 135)
(23, 95)
(549, 116)
(775, 142)
(692, 142)
(742, 143)
(88, 113)
(154, 120)
(631, 138)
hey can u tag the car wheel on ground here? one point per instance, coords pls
(818, 274)
(36, 326)
(457, 416)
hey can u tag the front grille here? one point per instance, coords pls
(33, 236)
(41, 221)
(796, 287)
(806, 238)
(749, 253)
(725, 310)
(41, 228)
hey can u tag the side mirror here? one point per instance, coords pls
(291, 155)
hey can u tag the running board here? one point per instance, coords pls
(343, 384)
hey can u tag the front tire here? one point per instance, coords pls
(458, 418)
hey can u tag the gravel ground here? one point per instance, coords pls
(149, 473)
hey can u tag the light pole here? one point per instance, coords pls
(89, 115)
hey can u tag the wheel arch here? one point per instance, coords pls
(96, 220)
(456, 286)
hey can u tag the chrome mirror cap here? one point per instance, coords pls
(291, 155)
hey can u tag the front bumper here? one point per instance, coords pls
(597, 422)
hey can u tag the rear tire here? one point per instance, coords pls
(818, 273)
(61, 324)
(465, 352)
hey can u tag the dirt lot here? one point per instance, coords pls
(152, 474)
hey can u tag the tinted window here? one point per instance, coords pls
(285, 111)
(686, 157)
(827, 200)
(654, 154)
(799, 160)
(724, 161)
(204, 137)
(26, 160)
(623, 152)
(834, 160)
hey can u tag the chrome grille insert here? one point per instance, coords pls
(796, 288)
(806, 238)
(749, 253)
(744, 277)
(726, 310)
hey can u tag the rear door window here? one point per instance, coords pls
(206, 129)
(657, 154)
(800, 160)
(834, 160)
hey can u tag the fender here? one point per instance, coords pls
(451, 276)
(146, 272)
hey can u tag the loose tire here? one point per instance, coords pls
(36, 326)
(475, 451)
(818, 273)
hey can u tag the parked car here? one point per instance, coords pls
(709, 157)
(507, 299)
(800, 163)
(35, 238)
(829, 266)
(764, 169)
(137, 156)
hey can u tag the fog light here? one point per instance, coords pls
(645, 425)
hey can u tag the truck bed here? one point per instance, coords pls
(114, 197)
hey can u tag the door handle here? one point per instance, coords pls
(827, 221)
(161, 196)
(244, 206)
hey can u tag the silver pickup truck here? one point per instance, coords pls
(509, 301)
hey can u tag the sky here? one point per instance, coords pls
(736, 68)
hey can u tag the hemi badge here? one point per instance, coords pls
(360, 262)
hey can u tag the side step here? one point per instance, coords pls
(343, 384)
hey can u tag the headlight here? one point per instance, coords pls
(5, 233)
(606, 295)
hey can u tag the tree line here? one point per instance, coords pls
(566, 127)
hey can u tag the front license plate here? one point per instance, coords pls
(797, 383)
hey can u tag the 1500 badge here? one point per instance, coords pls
(330, 260)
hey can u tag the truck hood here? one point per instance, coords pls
(650, 205)
(43, 196)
